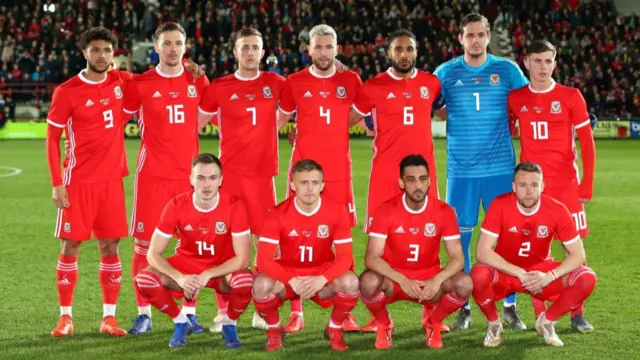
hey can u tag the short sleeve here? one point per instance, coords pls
(450, 230)
(126, 76)
(363, 103)
(518, 79)
(271, 229)
(287, 99)
(60, 110)
(239, 220)
(493, 219)
(208, 101)
(168, 222)
(579, 113)
(565, 226)
(342, 232)
(132, 98)
(202, 83)
(278, 85)
(380, 225)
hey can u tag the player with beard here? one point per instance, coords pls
(321, 97)
(90, 194)
(400, 101)
(512, 254)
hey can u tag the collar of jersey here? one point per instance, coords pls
(247, 79)
(193, 198)
(413, 75)
(321, 76)
(302, 212)
(406, 207)
(553, 85)
(84, 79)
(475, 69)
(167, 75)
(534, 210)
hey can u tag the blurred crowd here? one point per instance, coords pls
(598, 49)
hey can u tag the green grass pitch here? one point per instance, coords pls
(29, 309)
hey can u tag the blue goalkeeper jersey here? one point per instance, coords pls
(478, 138)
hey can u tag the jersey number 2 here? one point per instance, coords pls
(524, 249)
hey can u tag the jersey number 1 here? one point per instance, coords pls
(477, 96)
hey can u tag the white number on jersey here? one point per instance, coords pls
(407, 117)
(108, 118)
(524, 249)
(540, 130)
(306, 253)
(415, 249)
(176, 113)
(326, 114)
(580, 218)
(203, 246)
(252, 110)
(477, 96)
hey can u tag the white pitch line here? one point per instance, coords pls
(13, 171)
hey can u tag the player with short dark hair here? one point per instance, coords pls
(403, 261)
(297, 257)
(214, 251)
(512, 254)
(550, 115)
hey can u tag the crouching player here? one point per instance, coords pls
(213, 251)
(297, 259)
(512, 252)
(403, 261)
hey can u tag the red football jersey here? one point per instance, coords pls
(306, 240)
(401, 113)
(167, 107)
(413, 238)
(322, 105)
(91, 114)
(525, 239)
(245, 112)
(205, 236)
(548, 120)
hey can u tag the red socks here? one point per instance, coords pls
(377, 305)
(342, 306)
(267, 307)
(110, 276)
(66, 279)
(150, 288)
(447, 305)
(139, 263)
(483, 277)
(580, 284)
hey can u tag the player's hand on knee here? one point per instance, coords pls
(296, 284)
(203, 280)
(534, 282)
(413, 288)
(429, 290)
(60, 197)
(189, 283)
(312, 285)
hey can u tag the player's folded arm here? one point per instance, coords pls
(342, 262)
(267, 248)
(486, 254)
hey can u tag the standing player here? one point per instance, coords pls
(213, 252)
(480, 155)
(403, 261)
(400, 102)
(550, 114)
(89, 195)
(166, 100)
(245, 107)
(322, 98)
(512, 252)
(302, 231)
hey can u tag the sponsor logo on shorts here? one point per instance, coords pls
(67, 227)
(221, 227)
(140, 226)
(543, 231)
(429, 229)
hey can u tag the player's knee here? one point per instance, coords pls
(481, 275)
(263, 285)
(584, 278)
(70, 247)
(463, 286)
(370, 282)
(241, 281)
(108, 247)
(349, 283)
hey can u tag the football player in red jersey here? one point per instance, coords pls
(166, 102)
(513, 250)
(214, 251)
(297, 257)
(550, 115)
(89, 195)
(403, 261)
(244, 106)
(321, 97)
(400, 101)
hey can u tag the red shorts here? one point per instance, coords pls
(423, 275)
(97, 208)
(569, 196)
(257, 193)
(289, 294)
(504, 284)
(340, 192)
(150, 195)
(383, 186)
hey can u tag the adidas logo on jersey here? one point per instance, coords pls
(399, 230)
(188, 228)
(458, 83)
(391, 96)
(307, 94)
(156, 94)
(524, 109)
(513, 229)
(293, 233)
(233, 97)
(89, 103)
